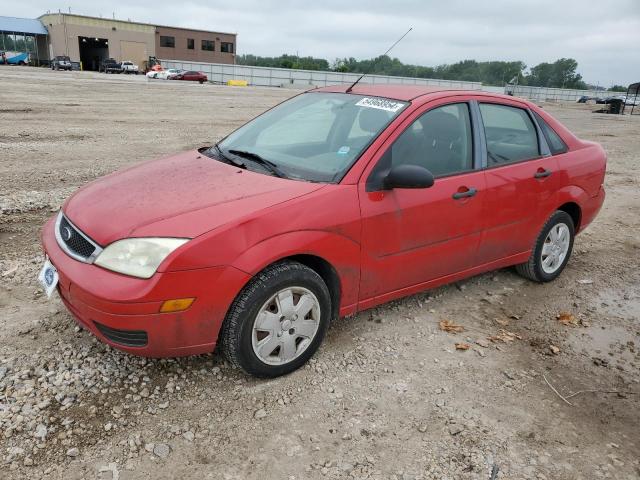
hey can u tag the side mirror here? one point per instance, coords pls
(408, 176)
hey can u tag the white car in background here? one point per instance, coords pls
(164, 74)
(632, 100)
(129, 67)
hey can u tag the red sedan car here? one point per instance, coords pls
(189, 75)
(332, 202)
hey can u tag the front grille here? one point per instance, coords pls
(127, 338)
(73, 240)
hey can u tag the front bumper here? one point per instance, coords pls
(123, 311)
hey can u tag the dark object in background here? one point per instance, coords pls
(615, 105)
(632, 91)
(611, 105)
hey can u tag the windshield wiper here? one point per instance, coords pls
(272, 167)
(227, 159)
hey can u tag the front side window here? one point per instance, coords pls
(166, 41)
(314, 136)
(208, 45)
(510, 133)
(440, 141)
(556, 144)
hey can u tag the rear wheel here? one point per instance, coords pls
(278, 321)
(552, 249)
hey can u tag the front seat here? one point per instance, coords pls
(442, 134)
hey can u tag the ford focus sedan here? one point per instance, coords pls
(333, 202)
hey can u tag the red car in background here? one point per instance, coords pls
(189, 75)
(335, 201)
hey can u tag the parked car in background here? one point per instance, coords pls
(164, 74)
(61, 62)
(335, 201)
(170, 73)
(14, 58)
(128, 66)
(190, 75)
(109, 65)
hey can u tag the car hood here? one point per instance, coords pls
(184, 195)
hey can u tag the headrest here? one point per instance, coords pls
(372, 119)
(441, 125)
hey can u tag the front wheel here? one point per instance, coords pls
(278, 320)
(552, 249)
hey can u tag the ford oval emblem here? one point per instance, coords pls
(66, 234)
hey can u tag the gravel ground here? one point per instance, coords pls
(388, 396)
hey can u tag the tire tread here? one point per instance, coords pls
(231, 331)
(530, 269)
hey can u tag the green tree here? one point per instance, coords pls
(618, 88)
(560, 74)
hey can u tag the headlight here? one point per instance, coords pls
(138, 257)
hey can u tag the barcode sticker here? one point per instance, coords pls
(380, 104)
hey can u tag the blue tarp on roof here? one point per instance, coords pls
(22, 25)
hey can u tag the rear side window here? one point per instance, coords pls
(510, 133)
(556, 145)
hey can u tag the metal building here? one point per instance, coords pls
(92, 39)
(22, 41)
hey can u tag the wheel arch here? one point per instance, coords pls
(336, 258)
(574, 211)
(328, 274)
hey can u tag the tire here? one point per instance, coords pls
(535, 268)
(240, 341)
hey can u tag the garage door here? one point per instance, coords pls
(134, 51)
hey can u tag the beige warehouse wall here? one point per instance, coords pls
(64, 31)
(134, 51)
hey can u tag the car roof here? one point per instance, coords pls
(407, 92)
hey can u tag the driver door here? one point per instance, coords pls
(414, 236)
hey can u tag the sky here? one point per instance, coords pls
(604, 37)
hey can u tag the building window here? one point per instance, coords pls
(167, 41)
(226, 47)
(208, 45)
(190, 43)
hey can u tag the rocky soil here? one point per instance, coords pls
(389, 395)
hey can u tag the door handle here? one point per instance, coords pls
(469, 192)
(542, 173)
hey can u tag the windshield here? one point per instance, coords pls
(314, 136)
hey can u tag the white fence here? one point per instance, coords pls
(286, 77)
(541, 94)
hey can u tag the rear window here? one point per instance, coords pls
(556, 144)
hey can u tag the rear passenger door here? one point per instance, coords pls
(521, 180)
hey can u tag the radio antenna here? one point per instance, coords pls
(390, 48)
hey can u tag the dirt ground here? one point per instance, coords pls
(388, 396)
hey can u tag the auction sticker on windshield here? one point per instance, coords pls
(48, 277)
(380, 104)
